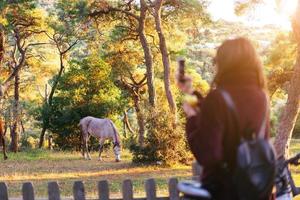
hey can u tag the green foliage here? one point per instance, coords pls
(279, 62)
(86, 89)
(281, 58)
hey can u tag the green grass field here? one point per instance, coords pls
(41, 166)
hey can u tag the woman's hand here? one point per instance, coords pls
(189, 110)
(186, 86)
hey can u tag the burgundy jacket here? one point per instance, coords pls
(212, 134)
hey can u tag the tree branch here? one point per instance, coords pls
(112, 9)
(70, 47)
(36, 44)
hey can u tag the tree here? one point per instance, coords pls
(280, 62)
(23, 24)
(64, 41)
(147, 52)
(86, 89)
(17, 15)
(164, 54)
(134, 87)
(137, 25)
(291, 110)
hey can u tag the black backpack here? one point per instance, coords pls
(253, 175)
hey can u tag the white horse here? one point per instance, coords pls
(102, 129)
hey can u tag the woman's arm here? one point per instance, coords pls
(205, 131)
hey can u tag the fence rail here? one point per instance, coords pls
(103, 190)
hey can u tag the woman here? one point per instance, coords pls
(240, 73)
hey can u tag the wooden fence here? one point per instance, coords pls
(103, 189)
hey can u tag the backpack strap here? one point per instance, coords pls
(230, 104)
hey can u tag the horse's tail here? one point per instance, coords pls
(116, 133)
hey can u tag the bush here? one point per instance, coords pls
(29, 142)
(164, 143)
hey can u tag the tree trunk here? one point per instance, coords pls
(1, 132)
(50, 142)
(124, 129)
(22, 126)
(46, 120)
(2, 40)
(2, 50)
(164, 55)
(290, 113)
(16, 117)
(17, 68)
(2, 140)
(140, 120)
(147, 53)
(291, 110)
(127, 124)
(42, 136)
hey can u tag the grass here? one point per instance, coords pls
(40, 167)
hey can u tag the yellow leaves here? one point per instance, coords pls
(3, 21)
(199, 83)
(40, 15)
(279, 94)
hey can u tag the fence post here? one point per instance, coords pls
(53, 191)
(173, 192)
(127, 190)
(3, 191)
(150, 189)
(28, 191)
(78, 190)
(103, 190)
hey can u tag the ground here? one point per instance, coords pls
(40, 166)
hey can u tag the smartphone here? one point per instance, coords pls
(181, 66)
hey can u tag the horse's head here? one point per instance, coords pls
(117, 151)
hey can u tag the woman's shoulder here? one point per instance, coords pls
(213, 95)
(213, 100)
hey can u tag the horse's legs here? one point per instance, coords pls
(101, 142)
(82, 146)
(85, 139)
(87, 148)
